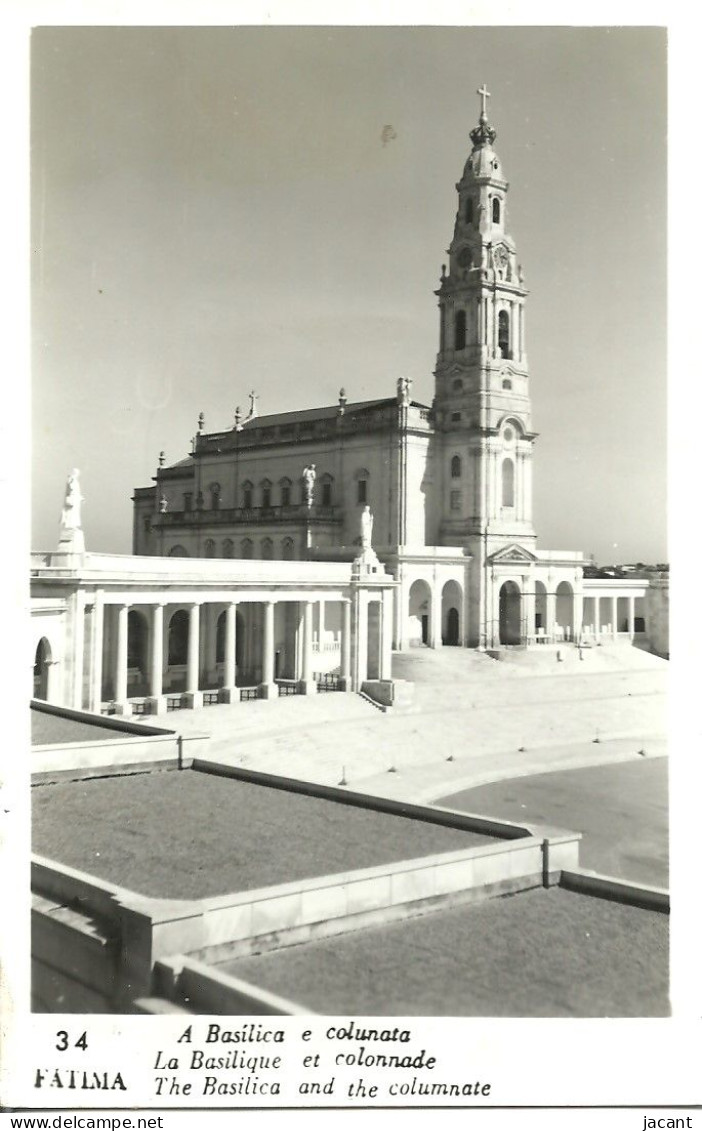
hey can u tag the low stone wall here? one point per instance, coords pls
(611, 887)
(95, 945)
(127, 747)
(434, 814)
(389, 692)
(188, 982)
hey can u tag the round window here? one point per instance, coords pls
(508, 435)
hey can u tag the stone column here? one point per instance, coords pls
(211, 617)
(577, 614)
(435, 640)
(193, 695)
(122, 704)
(550, 610)
(78, 649)
(360, 638)
(96, 651)
(308, 685)
(228, 692)
(597, 617)
(386, 634)
(156, 701)
(529, 606)
(268, 687)
(345, 666)
(632, 618)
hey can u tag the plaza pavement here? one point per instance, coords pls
(474, 720)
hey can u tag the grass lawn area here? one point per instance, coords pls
(185, 835)
(621, 810)
(48, 729)
(542, 953)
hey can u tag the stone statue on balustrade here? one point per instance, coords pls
(71, 538)
(367, 561)
(308, 477)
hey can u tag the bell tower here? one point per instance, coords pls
(482, 406)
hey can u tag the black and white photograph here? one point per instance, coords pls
(348, 608)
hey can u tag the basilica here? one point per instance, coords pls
(294, 552)
(449, 485)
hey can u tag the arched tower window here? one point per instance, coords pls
(215, 490)
(469, 210)
(456, 467)
(247, 495)
(503, 333)
(495, 209)
(460, 330)
(507, 483)
(266, 486)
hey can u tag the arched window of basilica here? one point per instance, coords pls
(507, 483)
(456, 467)
(227, 548)
(267, 549)
(247, 548)
(247, 494)
(214, 495)
(460, 330)
(209, 548)
(288, 549)
(495, 209)
(362, 477)
(327, 483)
(285, 492)
(178, 552)
(266, 488)
(503, 333)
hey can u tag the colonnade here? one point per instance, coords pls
(365, 648)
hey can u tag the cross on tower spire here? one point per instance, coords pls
(484, 95)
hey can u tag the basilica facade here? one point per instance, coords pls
(448, 485)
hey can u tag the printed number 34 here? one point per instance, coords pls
(62, 1042)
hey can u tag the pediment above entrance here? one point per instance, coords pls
(513, 553)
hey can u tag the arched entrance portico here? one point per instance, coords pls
(564, 610)
(451, 604)
(42, 663)
(510, 613)
(419, 618)
(137, 653)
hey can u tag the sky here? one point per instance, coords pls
(216, 210)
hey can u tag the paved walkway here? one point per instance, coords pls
(469, 726)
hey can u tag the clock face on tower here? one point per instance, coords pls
(464, 257)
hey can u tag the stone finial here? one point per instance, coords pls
(342, 401)
(162, 505)
(237, 418)
(201, 422)
(161, 459)
(253, 411)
